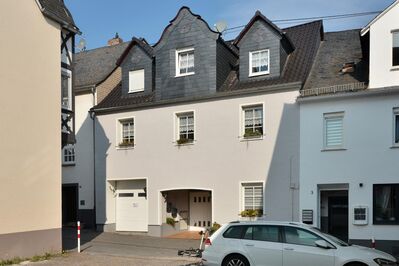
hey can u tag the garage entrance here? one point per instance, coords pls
(131, 206)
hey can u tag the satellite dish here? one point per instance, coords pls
(221, 26)
(82, 44)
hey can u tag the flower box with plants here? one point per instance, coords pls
(251, 214)
(126, 143)
(252, 134)
(183, 141)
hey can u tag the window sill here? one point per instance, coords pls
(259, 74)
(395, 68)
(68, 164)
(184, 144)
(246, 139)
(333, 149)
(396, 146)
(125, 147)
(136, 91)
(185, 75)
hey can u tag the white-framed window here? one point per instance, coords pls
(126, 132)
(66, 90)
(333, 130)
(259, 62)
(184, 62)
(252, 196)
(395, 48)
(185, 127)
(252, 121)
(136, 80)
(396, 126)
(68, 155)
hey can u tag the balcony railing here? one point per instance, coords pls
(67, 129)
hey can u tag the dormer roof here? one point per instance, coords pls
(259, 16)
(140, 42)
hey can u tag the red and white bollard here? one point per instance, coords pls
(78, 236)
(373, 243)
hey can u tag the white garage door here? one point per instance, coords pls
(131, 207)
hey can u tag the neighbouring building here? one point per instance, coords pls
(36, 121)
(349, 135)
(91, 81)
(197, 128)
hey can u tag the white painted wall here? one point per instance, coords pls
(369, 157)
(382, 74)
(82, 172)
(218, 160)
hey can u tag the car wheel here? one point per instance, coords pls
(235, 260)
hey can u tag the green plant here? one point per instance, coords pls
(252, 134)
(170, 221)
(183, 141)
(251, 213)
(126, 143)
(36, 258)
(215, 226)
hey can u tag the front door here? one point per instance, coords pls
(69, 204)
(338, 217)
(200, 210)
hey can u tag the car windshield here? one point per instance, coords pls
(332, 238)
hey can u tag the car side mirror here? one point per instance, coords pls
(322, 244)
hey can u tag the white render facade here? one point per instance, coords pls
(219, 161)
(348, 168)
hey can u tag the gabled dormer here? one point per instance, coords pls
(188, 58)
(137, 67)
(264, 49)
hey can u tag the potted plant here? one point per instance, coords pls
(126, 143)
(252, 134)
(215, 226)
(170, 221)
(182, 141)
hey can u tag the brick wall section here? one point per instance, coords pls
(104, 88)
(260, 36)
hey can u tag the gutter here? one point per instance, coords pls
(293, 86)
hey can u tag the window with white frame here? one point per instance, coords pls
(252, 121)
(252, 196)
(395, 48)
(259, 62)
(185, 62)
(136, 81)
(68, 155)
(333, 130)
(126, 128)
(66, 90)
(185, 126)
(396, 126)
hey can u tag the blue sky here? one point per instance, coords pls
(100, 19)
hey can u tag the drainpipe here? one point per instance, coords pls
(292, 188)
(92, 116)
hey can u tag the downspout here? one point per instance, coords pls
(92, 116)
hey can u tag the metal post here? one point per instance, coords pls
(78, 236)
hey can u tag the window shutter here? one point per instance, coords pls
(334, 131)
(136, 80)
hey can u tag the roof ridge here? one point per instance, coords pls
(103, 47)
(304, 24)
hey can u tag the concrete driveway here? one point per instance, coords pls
(115, 249)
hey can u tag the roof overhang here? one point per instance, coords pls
(366, 29)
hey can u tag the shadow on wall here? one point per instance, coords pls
(102, 145)
(282, 183)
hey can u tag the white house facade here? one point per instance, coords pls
(184, 136)
(349, 136)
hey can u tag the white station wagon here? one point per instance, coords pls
(264, 243)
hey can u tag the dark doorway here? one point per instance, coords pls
(69, 204)
(334, 213)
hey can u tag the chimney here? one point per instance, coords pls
(116, 40)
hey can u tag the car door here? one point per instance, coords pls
(263, 245)
(299, 249)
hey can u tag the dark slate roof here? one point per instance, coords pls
(337, 49)
(56, 10)
(306, 39)
(142, 43)
(93, 66)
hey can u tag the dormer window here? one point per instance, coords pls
(259, 63)
(136, 81)
(184, 62)
(395, 48)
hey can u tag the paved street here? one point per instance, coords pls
(119, 249)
